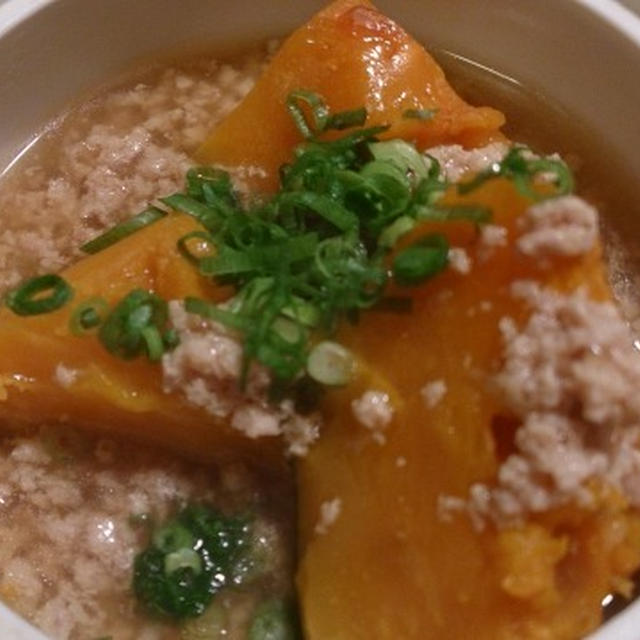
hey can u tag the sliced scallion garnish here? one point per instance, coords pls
(41, 294)
(316, 105)
(347, 119)
(122, 230)
(419, 114)
(196, 245)
(201, 211)
(422, 260)
(330, 363)
(88, 315)
(528, 173)
(316, 251)
(134, 326)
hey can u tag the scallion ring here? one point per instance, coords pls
(421, 261)
(133, 326)
(41, 294)
(204, 248)
(88, 315)
(319, 112)
(419, 114)
(184, 558)
(330, 363)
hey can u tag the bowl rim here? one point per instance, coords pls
(623, 19)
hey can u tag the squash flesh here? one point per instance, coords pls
(354, 56)
(121, 397)
(390, 566)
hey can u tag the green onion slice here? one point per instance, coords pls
(184, 558)
(330, 363)
(319, 112)
(447, 213)
(41, 294)
(422, 260)
(88, 315)
(347, 119)
(133, 326)
(321, 119)
(122, 230)
(196, 245)
(526, 174)
(419, 114)
(207, 215)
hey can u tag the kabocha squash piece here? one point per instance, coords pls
(389, 566)
(103, 391)
(354, 56)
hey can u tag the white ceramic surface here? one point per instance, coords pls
(583, 53)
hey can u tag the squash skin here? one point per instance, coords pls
(390, 566)
(380, 67)
(109, 394)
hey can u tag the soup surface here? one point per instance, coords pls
(76, 509)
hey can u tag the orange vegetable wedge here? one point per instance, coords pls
(390, 567)
(353, 56)
(122, 397)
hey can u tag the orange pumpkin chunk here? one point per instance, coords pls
(390, 566)
(103, 391)
(353, 56)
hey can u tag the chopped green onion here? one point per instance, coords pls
(170, 339)
(525, 173)
(421, 261)
(172, 537)
(122, 230)
(212, 185)
(203, 249)
(419, 114)
(302, 311)
(346, 119)
(154, 343)
(447, 213)
(133, 326)
(88, 315)
(185, 558)
(319, 112)
(205, 214)
(330, 363)
(41, 294)
(310, 255)
(398, 228)
(403, 155)
(324, 206)
(214, 312)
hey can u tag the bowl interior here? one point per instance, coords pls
(577, 52)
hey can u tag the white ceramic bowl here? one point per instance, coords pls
(585, 54)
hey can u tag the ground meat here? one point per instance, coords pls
(109, 161)
(65, 505)
(565, 226)
(329, 513)
(571, 375)
(206, 368)
(433, 392)
(374, 411)
(459, 260)
(492, 236)
(456, 161)
(68, 537)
